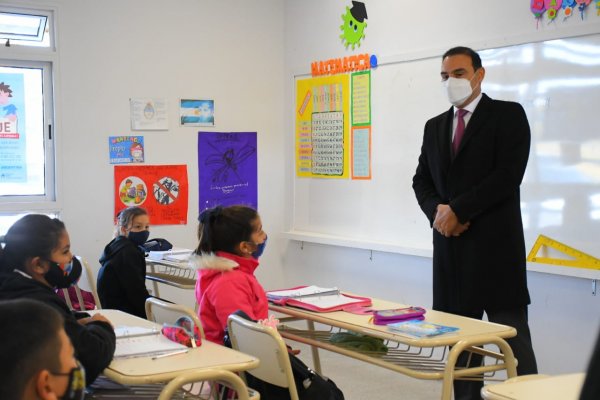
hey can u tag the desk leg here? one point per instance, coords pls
(315, 350)
(154, 283)
(457, 349)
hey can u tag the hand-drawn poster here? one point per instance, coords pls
(361, 152)
(149, 114)
(13, 158)
(161, 189)
(126, 149)
(361, 98)
(322, 138)
(227, 169)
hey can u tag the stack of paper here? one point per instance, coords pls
(306, 291)
(175, 255)
(141, 342)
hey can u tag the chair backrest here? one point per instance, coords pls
(226, 378)
(162, 312)
(86, 282)
(266, 344)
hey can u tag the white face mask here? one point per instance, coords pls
(458, 90)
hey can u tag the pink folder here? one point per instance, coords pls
(321, 302)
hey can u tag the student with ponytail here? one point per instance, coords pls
(230, 241)
(37, 260)
(122, 277)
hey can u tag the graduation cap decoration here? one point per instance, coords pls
(354, 24)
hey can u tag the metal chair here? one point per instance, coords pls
(224, 378)
(266, 344)
(86, 282)
(163, 312)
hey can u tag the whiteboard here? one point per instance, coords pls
(558, 84)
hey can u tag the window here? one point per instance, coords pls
(27, 156)
(25, 29)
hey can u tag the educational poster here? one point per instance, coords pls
(197, 112)
(361, 152)
(149, 114)
(126, 149)
(161, 189)
(322, 122)
(13, 159)
(361, 98)
(227, 169)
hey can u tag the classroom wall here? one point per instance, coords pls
(564, 314)
(110, 51)
(245, 55)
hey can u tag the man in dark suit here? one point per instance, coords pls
(467, 182)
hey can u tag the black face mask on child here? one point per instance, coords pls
(62, 276)
(76, 387)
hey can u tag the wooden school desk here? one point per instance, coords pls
(559, 387)
(423, 358)
(142, 370)
(177, 274)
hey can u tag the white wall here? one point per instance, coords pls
(113, 50)
(564, 314)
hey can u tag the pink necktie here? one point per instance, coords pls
(460, 130)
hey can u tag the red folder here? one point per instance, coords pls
(326, 302)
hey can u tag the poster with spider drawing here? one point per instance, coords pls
(227, 169)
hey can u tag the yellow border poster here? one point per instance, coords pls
(322, 127)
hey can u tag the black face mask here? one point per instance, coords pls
(62, 276)
(76, 387)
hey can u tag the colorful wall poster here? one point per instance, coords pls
(197, 112)
(161, 189)
(149, 114)
(126, 149)
(13, 158)
(322, 138)
(361, 152)
(361, 98)
(227, 169)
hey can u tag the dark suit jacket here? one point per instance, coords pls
(484, 268)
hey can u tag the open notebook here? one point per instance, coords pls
(134, 341)
(315, 298)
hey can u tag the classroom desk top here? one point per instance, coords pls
(559, 387)
(142, 370)
(469, 328)
(421, 358)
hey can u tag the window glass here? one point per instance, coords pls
(22, 160)
(24, 29)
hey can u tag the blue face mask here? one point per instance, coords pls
(140, 237)
(260, 247)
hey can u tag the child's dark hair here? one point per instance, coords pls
(30, 343)
(223, 228)
(34, 235)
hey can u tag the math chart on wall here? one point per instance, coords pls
(322, 127)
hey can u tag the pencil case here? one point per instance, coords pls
(384, 317)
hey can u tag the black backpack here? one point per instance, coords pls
(309, 384)
(157, 244)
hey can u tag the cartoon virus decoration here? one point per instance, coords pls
(353, 28)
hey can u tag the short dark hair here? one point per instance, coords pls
(223, 228)
(466, 51)
(34, 235)
(29, 343)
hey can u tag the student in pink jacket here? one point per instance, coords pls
(230, 241)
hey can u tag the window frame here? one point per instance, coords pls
(45, 58)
